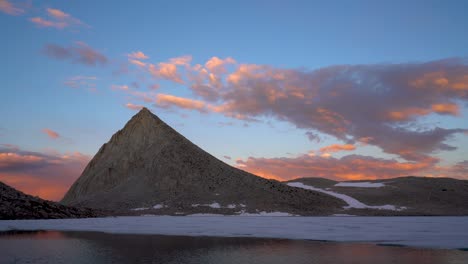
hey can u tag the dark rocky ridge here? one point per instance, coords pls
(17, 205)
(149, 163)
(421, 195)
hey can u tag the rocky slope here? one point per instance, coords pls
(17, 205)
(420, 195)
(150, 167)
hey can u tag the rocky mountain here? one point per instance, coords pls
(417, 195)
(148, 167)
(17, 205)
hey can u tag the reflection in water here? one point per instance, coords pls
(91, 247)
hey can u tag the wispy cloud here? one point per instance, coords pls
(80, 52)
(135, 107)
(52, 134)
(10, 8)
(57, 19)
(82, 82)
(167, 101)
(337, 148)
(137, 55)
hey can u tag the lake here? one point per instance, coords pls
(98, 247)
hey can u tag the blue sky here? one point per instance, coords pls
(298, 39)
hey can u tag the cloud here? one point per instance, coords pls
(217, 65)
(116, 87)
(166, 71)
(227, 157)
(137, 55)
(169, 70)
(52, 134)
(86, 82)
(45, 175)
(40, 22)
(137, 63)
(9, 8)
(384, 102)
(351, 167)
(134, 106)
(168, 101)
(58, 19)
(337, 147)
(313, 136)
(80, 52)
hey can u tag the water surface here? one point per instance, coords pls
(96, 247)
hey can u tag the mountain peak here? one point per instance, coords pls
(145, 116)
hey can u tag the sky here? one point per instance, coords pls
(346, 90)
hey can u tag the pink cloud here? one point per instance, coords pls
(349, 102)
(183, 60)
(52, 134)
(40, 22)
(134, 106)
(137, 55)
(58, 14)
(167, 101)
(137, 63)
(217, 65)
(166, 71)
(9, 8)
(58, 19)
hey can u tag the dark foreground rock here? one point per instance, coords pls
(17, 205)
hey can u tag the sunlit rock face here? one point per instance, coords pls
(149, 167)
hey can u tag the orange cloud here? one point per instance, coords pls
(52, 134)
(337, 147)
(137, 55)
(217, 65)
(45, 175)
(447, 109)
(9, 8)
(167, 100)
(133, 106)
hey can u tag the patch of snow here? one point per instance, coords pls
(215, 205)
(140, 209)
(242, 205)
(200, 214)
(263, 213)
(432, 232)
(352, 203)
(360, 184)
(159, 206)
